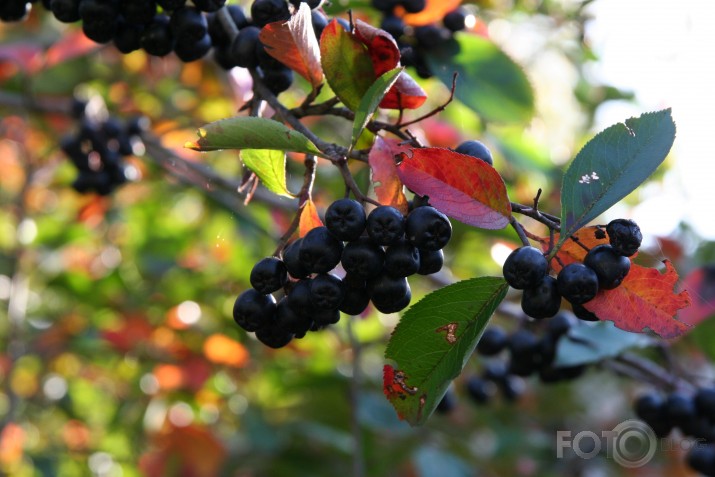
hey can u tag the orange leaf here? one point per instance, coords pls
(388, 186)
(645, 299)
(221, 349)
(309, 218)
(433, 12)
(293, 43)
(463, 187)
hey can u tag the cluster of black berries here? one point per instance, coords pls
(414, 42)
(528, 354)
(98, 150)
(693, 414)
(377, 252)
(604, 267)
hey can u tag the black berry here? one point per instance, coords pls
(476, 149)
(543, 300)
(577, 283)
(430, 262)
(609, 265)
(625, 236)
(345, 218)
(480, 390)
(389, 294)
(320, 251)
(269, 275)
(402, 259)
(525, 267)
(427, 228)
(253, 310)
(327, 291)
(493, 341)
(267, 11)
(385, 225)
(363, 258)
(705, 403)
(274, 336)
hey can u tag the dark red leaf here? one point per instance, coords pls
(404, 94)
(463, 187)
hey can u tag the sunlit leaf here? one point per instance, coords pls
(248, 132)
(388, 186)
(434, 12)
(309, 218)
(346, 65)
(433, 341)
(489, 82)
(269, 166)
(611, 165)
(371, 100)
(645, 300)
(293, 43)
(463, 187)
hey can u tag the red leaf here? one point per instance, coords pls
(26, 56)
(381, 47)
(309, 218)
(700, 283)
(388, 186)
(404, 94)
(645, 299)
(293, 43)
(433, 12)
(71, 45)
(463, 187)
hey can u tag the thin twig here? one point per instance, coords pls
(519, 231)
(303, 196)
(437, 110)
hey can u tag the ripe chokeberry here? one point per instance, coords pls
(345, 218)
(291, 319)
(705, 403)
(480, 390)
(267, 11)
(577, 283)
(243, 48)
(157, 39)
(363, 258)
(253, 310)
(525, 267)
(278, 80)
(427, 228)
(269, 275)
(560, 324)
(430, 262)
(702, 459)
(274, 336)
(320, 251)
(402, 259)
(584, 314)
(66, 11)
(356, 297)
(413, 6)
(291, 258)
(475, 148)
(455, 20)
(389, 294)
(625, 236)
(209, 5)
(610, 267)
(543, 300)
(493, 341)
(385, 225)
(327, 291)
(188, 24)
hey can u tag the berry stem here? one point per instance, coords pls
(303, 196)
(551, 221)
(436, 110)
(519, 230)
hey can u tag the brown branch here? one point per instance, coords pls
(303, 196)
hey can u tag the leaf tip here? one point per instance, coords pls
(194, 145)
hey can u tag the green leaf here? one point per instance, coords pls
(346, 65)
(248, 132)
(594, 342)
(433, 341)
(489, 82)
(371, 100)
(611, 165)
(270, 167)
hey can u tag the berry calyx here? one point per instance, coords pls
(525, 267)
(427, 228)
(625, 236)
(345, 218)
(610, 267)
(385, 225)
(577, 283)
(269, 275)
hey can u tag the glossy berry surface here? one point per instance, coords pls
(577, 283)
(267, 11)
(430, 262)
(493, 341)
(327, 291)
(543, 300)
(476, 149)
(525, 267)
(363, 258)
(389, 294)
(291, 259)
(427, 228)
(625, 236)
(253, 310)
(345, 218)
(385, 225)
(320, 251)
(402, 259)
(269, 275)
(610, 267)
